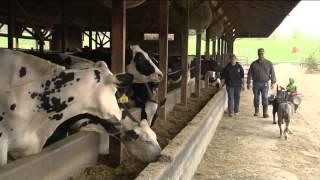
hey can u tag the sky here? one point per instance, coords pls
(305, 17)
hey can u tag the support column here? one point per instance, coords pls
(90, 27)
(222, 51)
(10, 23)
(63, 27)
(118, 36)
(17, 42)
(118, 65)
(214, 47)
(163, 51)
(198, 65)
(219, 51)
(207, 55)
(184, 59)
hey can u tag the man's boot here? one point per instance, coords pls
(265, 112)
(256, 111)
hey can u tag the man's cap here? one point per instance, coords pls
(260, 50)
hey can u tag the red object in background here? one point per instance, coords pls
(295, 50)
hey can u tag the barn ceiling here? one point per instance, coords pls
(249, 18)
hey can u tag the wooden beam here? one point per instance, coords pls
(118, 65)
(118, 36)
(207, 44)
(10, 23)
(163, 51)
(184, 59)
(198, 65)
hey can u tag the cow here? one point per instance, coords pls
(31, 112)
(18, 68)
(143, 66)
(138, 63)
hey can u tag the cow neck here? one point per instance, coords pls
(150, 93)
(125, 110)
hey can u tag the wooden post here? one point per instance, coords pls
(163, 51)
(214, 48)
(63, 28)
(90, 26)
(207, 44)
(10, 23)
(222, 52)
(184, 59)
(219, 51)
(226, 53)
(118, 36)
(17, 42)
(118, 65)
(198, 65)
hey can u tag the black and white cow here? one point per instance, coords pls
(18, 68)
(31, 112)
(144, 68)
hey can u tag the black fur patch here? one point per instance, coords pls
(0, 134)
(54, 104)
(13, 107)
(97, 75)
(22, 72)
(143, 65)
(70, 99)
(78, 79)
(1, 118)
(3, 113)
(56, 116)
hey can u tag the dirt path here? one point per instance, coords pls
(247, 147)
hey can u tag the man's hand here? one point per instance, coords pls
(249, 86)
(272, 86)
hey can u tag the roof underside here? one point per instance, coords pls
(249, 18)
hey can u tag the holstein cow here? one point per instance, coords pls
(18, 68)
(146, 75)
(142, 67)
(31, 112)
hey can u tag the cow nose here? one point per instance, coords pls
(160, 76)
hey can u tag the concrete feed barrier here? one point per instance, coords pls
(180, 159)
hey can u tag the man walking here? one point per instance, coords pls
(232, 75)
(261, 71)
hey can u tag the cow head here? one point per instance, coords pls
(106, 96)
(141, 142)
(142, 66)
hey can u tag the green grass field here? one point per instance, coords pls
(276, 50)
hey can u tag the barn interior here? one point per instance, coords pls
(158, 26)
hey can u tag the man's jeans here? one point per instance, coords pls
(263, 89)
(233, 99)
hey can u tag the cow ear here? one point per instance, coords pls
(102, 65)
(124, 79)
